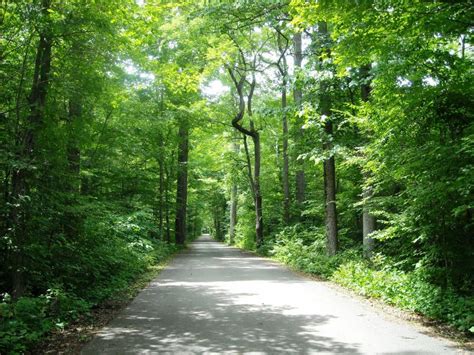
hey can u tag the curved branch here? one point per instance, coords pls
(239, 84)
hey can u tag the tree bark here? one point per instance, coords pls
(217, 222)
(258, 191)
(167, 205)
(298, 98)
(368, 220)
(233, 201)
(255, 135)
(182, 182)
(329, 165)
(161, 188)
(161, 198)
(21, 177)
(282, 66)
(330, 197)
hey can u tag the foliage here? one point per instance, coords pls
(108, 260)
(99, 97)
(25, 321)
(407, 290)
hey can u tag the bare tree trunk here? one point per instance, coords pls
(161, 188)
(329, 165)
(22, 175)
(368, 220)
(254, 134)
(161, 162)
(285, 173)
(161, 197)
(298, 97)
(258, 191)
(167, 205)
(330, 196)
(256, 171)
(233, 201)
(217, 223)
(182, 183)
(233, 212)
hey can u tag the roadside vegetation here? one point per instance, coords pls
(381, 277)
(335, 136)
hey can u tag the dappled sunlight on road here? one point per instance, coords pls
(217, 299)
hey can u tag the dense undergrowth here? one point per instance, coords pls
(305, 249)
(112, 252)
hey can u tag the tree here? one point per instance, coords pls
(182, 182)
(368, 220)
(329, 165)
(233, 199)
(239, 78)
(283, 44)
(298, 99)
(26, 151)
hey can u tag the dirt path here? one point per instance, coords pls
(216, 299)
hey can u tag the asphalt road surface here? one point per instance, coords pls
(215, 299)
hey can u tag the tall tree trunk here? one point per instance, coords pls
(161, 199)
(22, 176)
(233, 201)
(285, 171)
(217, 223)
(368, 220)
(161, 189)
(167, 205)
(161, 162)
(329, 165)
(298, 97)
(255, 135)
(258, 191)
(182, 182)
(256, 171)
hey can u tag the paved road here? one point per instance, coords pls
(215, 299)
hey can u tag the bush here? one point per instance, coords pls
(245, 230)
(407, 290)
(27, 320)
(306, 251)
(101, 262)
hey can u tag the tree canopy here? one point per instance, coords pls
(335, 136)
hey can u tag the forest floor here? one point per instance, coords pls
(217, 299)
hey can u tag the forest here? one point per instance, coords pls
(336, 137)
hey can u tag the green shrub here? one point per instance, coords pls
(27, 320)
(407, 290)
(306, 251)
(245, 231)
(80, 273)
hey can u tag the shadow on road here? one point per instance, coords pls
(216, 299)
(207, 301)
